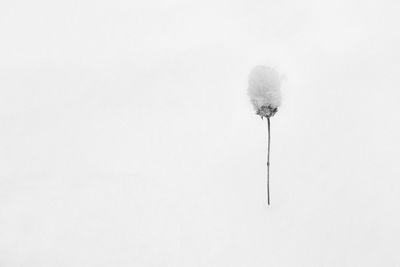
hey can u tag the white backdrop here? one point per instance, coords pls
(127, 139)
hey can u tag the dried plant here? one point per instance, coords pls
(265, 94)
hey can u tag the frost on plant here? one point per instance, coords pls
(264, 90)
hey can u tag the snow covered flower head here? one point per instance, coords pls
(265, 90)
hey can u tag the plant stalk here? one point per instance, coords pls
(269, 142)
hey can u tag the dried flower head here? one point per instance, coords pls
(264, 90)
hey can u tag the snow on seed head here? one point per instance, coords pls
(264, 90)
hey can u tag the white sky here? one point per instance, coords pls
(127, 139)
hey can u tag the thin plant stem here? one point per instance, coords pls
(269, 142)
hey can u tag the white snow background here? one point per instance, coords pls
(127, 137)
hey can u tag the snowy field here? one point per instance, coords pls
(127, 137)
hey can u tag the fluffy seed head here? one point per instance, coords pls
(264, 90)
